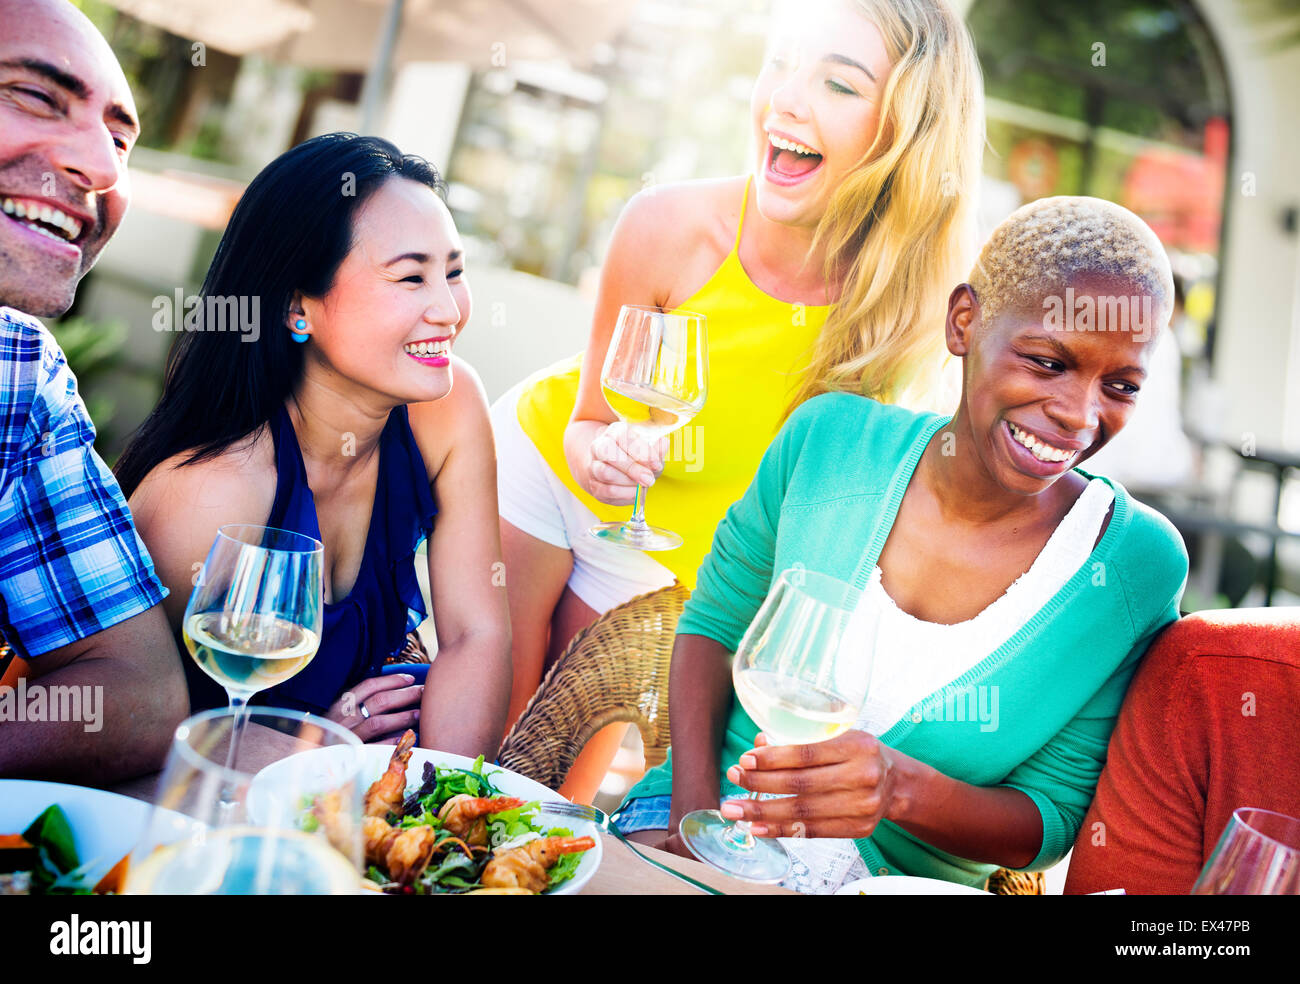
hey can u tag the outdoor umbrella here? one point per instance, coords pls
(373, 35)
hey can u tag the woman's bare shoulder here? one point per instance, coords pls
(700, 212)
(238, 483)
(676, 235)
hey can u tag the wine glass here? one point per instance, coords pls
(801, 672)
(254, 617)
(655, 379)
(279, 815)
(1258, 854)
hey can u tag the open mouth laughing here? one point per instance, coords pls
(788, 160)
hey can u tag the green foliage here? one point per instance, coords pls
(1155, 70)
(96, 354)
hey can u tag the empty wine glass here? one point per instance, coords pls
(655, 379)
(1258, 854)
(801, 673)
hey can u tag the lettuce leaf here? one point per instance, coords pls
(60, 871)
(565, 868)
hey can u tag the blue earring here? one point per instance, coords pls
(299, 336)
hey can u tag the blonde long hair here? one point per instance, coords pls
(900, 226)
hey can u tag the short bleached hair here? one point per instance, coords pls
(1044, 247)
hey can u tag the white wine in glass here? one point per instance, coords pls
(801, 673)
(255, 616)
(655, 379)
(652, 414)
(792, 712)
(253, 654)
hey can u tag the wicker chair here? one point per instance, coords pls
(413, 652)
(617, 670)
(614, 670)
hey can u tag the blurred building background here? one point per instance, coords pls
(547, 115)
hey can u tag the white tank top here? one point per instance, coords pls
(916, 658)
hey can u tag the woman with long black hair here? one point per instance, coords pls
(332, 412)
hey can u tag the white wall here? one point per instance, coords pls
(519, 324)
(1257, 361)
(424, 109)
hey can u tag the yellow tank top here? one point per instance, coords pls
(759, 349)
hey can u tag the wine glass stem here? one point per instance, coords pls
(238, 704)
(740, 836)
(638, 509)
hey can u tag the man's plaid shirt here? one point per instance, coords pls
(71, 562)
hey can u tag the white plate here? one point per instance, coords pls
(906, 885)
(105, 825)
(376, 758)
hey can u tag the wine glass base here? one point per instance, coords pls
(637, 537)
(708, 835)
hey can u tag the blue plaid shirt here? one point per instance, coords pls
(71, 562)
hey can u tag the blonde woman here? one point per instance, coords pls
(823, 269)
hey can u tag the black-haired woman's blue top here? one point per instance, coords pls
(364, 629)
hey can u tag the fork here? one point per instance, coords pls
(603, 821)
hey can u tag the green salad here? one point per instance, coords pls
(42, 860)
(464, 824)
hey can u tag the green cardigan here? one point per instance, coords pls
(826, 496)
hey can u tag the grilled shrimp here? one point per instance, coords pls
(385, 794)
(403, 853)
(526, 866)
(328, 811)
(379, 836)
(410, 853)
(464, 815)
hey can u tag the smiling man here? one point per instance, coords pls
(68, 124)
(79, 600)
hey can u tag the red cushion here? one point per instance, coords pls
(1209, 724)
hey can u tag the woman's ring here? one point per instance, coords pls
(365, 714)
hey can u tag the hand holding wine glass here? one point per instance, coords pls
(655, 379)
(841, 788)
(801, 672)
(622, 461)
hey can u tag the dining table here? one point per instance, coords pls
(621, 872)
